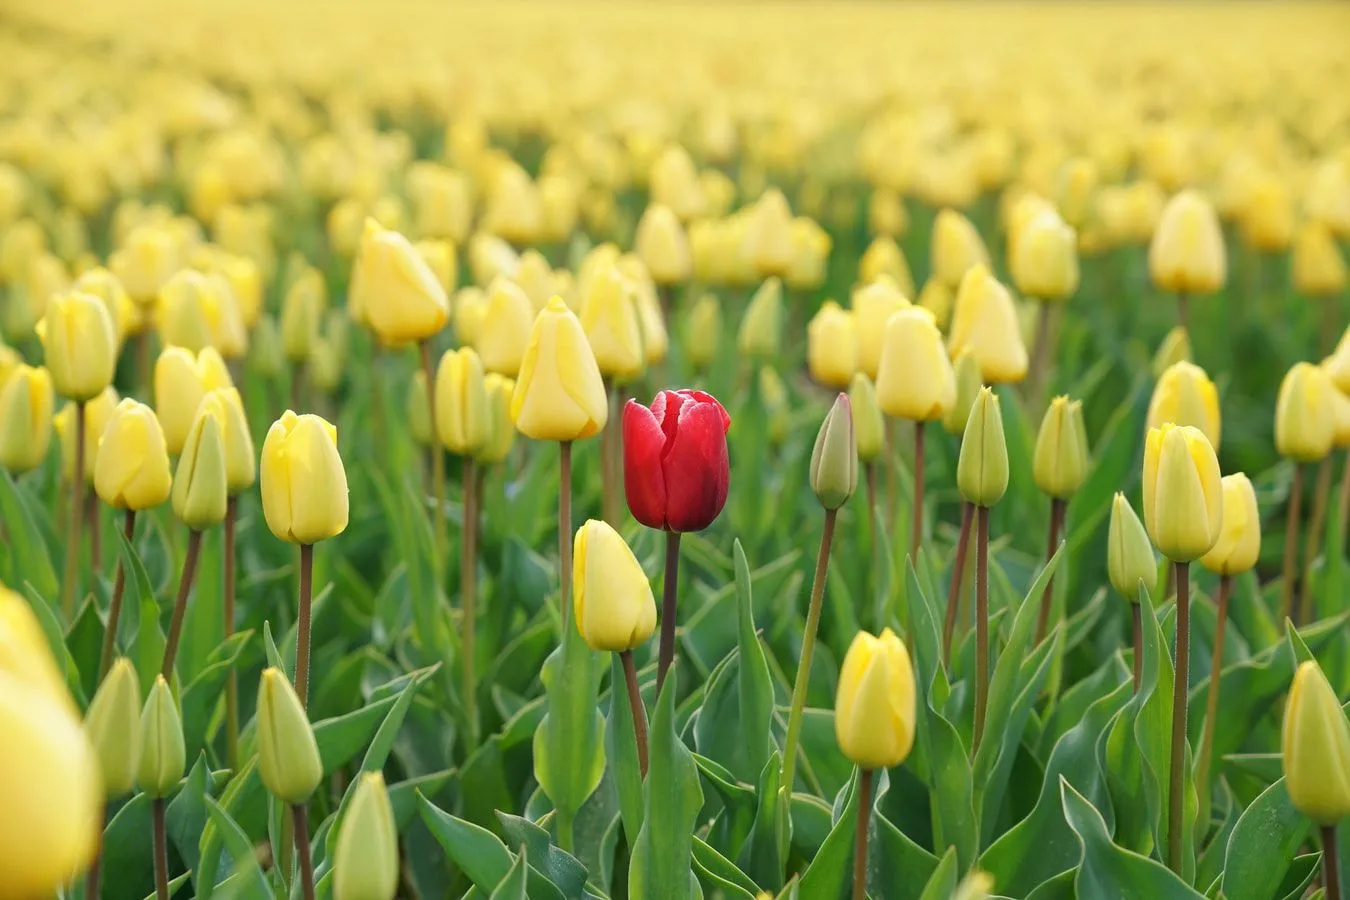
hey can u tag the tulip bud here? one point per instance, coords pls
(966, 371)
(938, 299)
(1184, 395)
(490, 257)
(832, 346)
(163, 752)
(1187, 255)
(79, 345)
(1315, 748)
(443, 206)
(834, 460)
(131, 470)
(124, 314)
(1305, 419)
(559, 200)
(810, 255)
(182, 379)
(761, 332)
(1130, 563)
(1267, 216)
(703, 332)
(1327, 196)
(769, 234)
(886, 213)
(1239, 542)
(366, 860)
(20, 244)
(1175, 348)
(915, 380)
(535, 277)
(200, 489)
(1044, 259)
(399, 295)
(661, 243)
(1183, 492)
(875, 706)
(240, 468)
(982, 468)
(113, 725)
(514, 209)
(985, 323)
(302, 314)
(97, 413)
(884, 257)
(461, 402)
(956, 247)
(873, 305)
(267, 354)
(147, 258)
(288, 757)
(501, 430)
(868, 427)
(304, 484)
(675, 464)
(675, 183)
(26, 402)
(1318, 268)
(610, 592)
(188, 314)
(440, 258)
(229, 335)
(651, 320)
(10, 360)
(609, 316)
(565, 399)
(503, 333)
(1062, 457)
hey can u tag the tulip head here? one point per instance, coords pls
(304, 484)
(832, 346)
(610, 592)
(400, 297)
(872, 306)
(869, 430)
(834, 459)
(769, 234)
(241, 469)
(1239, 542)
(1187, 255)
(440, 258)
(501, 430)
(288, 756)
(703, 332)
(148, 256)
(966, 371)
(884, 257)
(982, 467)
(302, 314)
(461, 402)
(915, 380)
(1183, 492)
(1315, 748)
(103, 284)
(985, 323)
(366, 858)
(1185, 395)
(663, 245)
(1175, 348)
(609, 316)
(113, 725)
(875, 706)
(1044, 259)
(79, 345)
(1305, 417)
(502, 334)
(1062, 458)
(559, 395)
(200, 490)
(131, 470)
(1130, 563)
(761, 333)
(26, 403)
(97, 413)
(956, 247)
(163, 752)
(189, 311)
(1318, 267)
(182, 379)
(675, 464)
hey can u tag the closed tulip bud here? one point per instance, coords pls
(872, 306)
(675, 461)
(663, 246)
(461, 402)
(131, 470)
(79, 345)
(1130, 563)
(288, 756)
(1175, 348)
(200, 489)
(1315, 748)
(1318, 268)
(957, 247)
(674, 182)
(1337, 366)
(501, 430)
(1187, 255)
(938, 299)
(769, 234)
(443, 206)
(304, 484)
(97, 413)
(832, 346)
(1268, 215)
(1062, 458)
(834, 459)
(884, 257)
(188, 314)
(491, 257)
(915, 380)
(703, 332)
(440, 258)
(651, 320)
(10, 360)
(182, 379)
(868, 427)
(886, 214)
(419, 417)
(1305, 419)
(1183, 492)
(163, 752)
(609, 316)
(535, 278)
(229, 335)
(470, 306)
(966, 371)
(400, 297)
(875, 705)
(559, 395)
(113, 725)
(26, 403)
(1327, 195)
(1239, 542)
(25, 654)
(125, 315)
(985, 323)
(240, 468)
(302, 314)
(982, 468)
(1185, 395)
(366, 858)
(503, 333)
(610, 593)
(559, 201)
(1044, 259)
(145, 261)
(513, 208)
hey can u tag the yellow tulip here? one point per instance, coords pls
(10, 360)
(125, 315)
(1044, 259)
(1239, 543)
(1185, 395)
(1327, 196)
(182, 379)
(982, 465)
(984, 322)
(535, 277)
(22, 242)
(113, 726)
(514, 209)
(873, 305)
(884, 257)
(810, 255)
(302, 310)
(146, 259)
(230, 336)
(609, 316)
(1061, 460)
(1341, 403)
(1268, 215)
(491, 257)
(1130, 563)
(956, 248)
(97, 413)
(461, 402)
(703, 331)
(559, 395)
(674, 183)
(832, 346)
(559, 202)
(1315, 748)
(443, 206)
(502, 334)
(1187, 255)
(245, 282)
(966, 370)
(366, 858)
(875, 705)
(288, 756)
(663, 246)
(189, 313)
(26, 404)
(761, 333)
(131, 469)
(304, 484)
(1183, 492)
(1305, 417)
(240, 468)
(200, 489)
(769, 233)
(886, 214)
(868, 427)
(611, 594)
(651, 320)
(915, 380)
(1317, 264)
(440, 258)
(501, 430)
(79, 345)
(399, 295)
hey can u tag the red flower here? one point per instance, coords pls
(675, 466)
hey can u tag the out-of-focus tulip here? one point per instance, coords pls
(1268, 215)
(302, 310)
(20, 244)
(674, 183)
(304, 484)
(1185, 395)
(1044, 259)
(868, 427)
(514, 209)
(241, 470)
(490, 257)
(1315, 748)
(200, 490)
(1187, 255)
(535, 278)
(1337, 366)
(984, 322)
(810, 255)
(872, 306)
(443, 206)
(663, 246)
(610, 593)
(884, 257)
(97, 413)
(1327, 196)
(113, 725)
(182, 379)
(982, 467)
(966, 371)
(1183, 492)
(1239, 542)
(10, 360)
(559, 202)
(79, 345)
(761, 333)
(832, 346)
(1305, 419)
(769, 233)
(125, 315)
(26, 404)
(440, 258)
(1061, 460)
(1130, 563)
(400, 297)
(1175, 348)
(288, 756)
(956, 247)
(1318, 267)
(501, 430)
(145, 261)
(834, 459)
(609, 316)
(675, 462)
(773, 397)
(503, 333)
(703, 331)
(651, 320)
(875, 706)
(886, 214)
(188, 314)
(163, 750)
(915, 380)
(131, 469)
(938, 299)
(419, 404)
(559, 395)
(470, 307)
(461, 402)
(366, 858)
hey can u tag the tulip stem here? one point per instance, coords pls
(860, 840)
(302, 623)
(1313, 546)
(76, 519)
(916, 530)
(1180, 689)
(1343, 512)
(297, 386)
(1057, 507)
(639, 711)
(1215, 673)
(794, 728)
(1137, 622)
(669, 606)
(95, 534)
(161, 845)
(1040, 356)
(1331, 866)
(105, 659)
(958, 577)
(468, 598)
(877, 603)
(1183, 311)
(194, 549)
(231, 680)
(1291, 544)
(300, 817)
(437, 464)
(565, 538)
(93, 878)
(981, 622)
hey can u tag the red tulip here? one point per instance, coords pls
(675, 466)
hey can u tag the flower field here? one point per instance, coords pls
(745, 450)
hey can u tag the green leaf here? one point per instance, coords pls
(512, 887)
(621, 748)
(174, 885)
(714, 866)
(943, 880)
(1263, 845)
(479, 853)
(243, 788)
(559, 866)
(206, 692)
(186, 814)
(246, 869)
(829, 874)
(31, 562)
(755, 714)
(762, 854)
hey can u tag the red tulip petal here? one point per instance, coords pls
(670, 403)
(705, 397)
(696, 468)
(644, 445)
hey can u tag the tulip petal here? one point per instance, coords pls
(696, 468)
(643, 448)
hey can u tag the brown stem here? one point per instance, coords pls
(639, 711)
(468, 598)
(72, 570)
(300, 818)
(860, 840)
(1040, 354)
(1137, 621)
(93, 878)
(303, 623)
(194, 549)
(1184, 311)
(231, 681)
(1291, 545)
(1313, 546)
(1051, 545)
(105, 659)
(981, 622)
(437, 463)
(161, 846)
(669, 608)
(1331, 866)
(916, 530)
(95, 533)
(957, 578)
(1180, 688)
(1215, 673)
(565, 530)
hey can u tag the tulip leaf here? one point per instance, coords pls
(84, 643)
(713, 866)
(660, 865)
(479, 853)
(205, 692)
(762, 854)
(829, 874)
(244, 788)
(899, 867)
(512, 887)
(621, 750)
(559, 866)
(247, 873)
(942, 882)
(29, 559)
(756, 689)
(1263, 845)
(186, 814)
(174, 885)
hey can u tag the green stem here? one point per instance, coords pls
(860, 838)
(1291, 545)
(302, 625)
(638, 710)
(1215, 671)
(981, 623)
(71, 572)
(232, 679)
(105, 660)
(468, 592)
(437, 464)
(1331, 866)
(799, 687)
(563, 823)
(565, 531)
(1177, 784)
